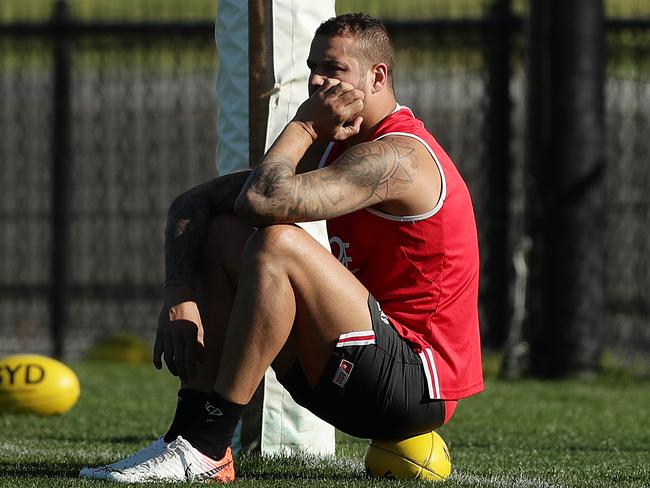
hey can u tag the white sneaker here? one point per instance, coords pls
(179, 462)
(100, 472)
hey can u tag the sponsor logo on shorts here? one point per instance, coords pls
(343, 373)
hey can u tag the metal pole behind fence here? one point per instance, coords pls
(498, 171)
(60, 178)
(566, 158)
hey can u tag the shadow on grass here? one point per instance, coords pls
(305, 475)
(248, 468)
(39, 469)
(555, 447)
(124, 439)
(299, 468)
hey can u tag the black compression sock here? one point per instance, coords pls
(212, 429)
(190, 404)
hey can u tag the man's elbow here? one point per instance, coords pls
(250, 207)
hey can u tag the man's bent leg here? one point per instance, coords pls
(218, 277)
(289, 285)
(217, 282)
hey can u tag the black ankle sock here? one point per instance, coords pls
(212, 429)
(190, 404)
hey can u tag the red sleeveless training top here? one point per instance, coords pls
(422, 269)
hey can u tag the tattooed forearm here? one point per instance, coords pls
(364, 175)
(268, 190)
(273, 181)
(187, 222)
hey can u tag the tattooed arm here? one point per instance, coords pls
(394, 174)
(179, 336)
(368, 174)
(187, 223)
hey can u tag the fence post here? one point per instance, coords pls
(497, 302)
(566, 161)
(61, 163)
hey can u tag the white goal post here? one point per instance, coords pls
(261, 81)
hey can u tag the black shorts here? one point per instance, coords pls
(371, 390)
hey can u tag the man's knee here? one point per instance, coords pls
(276, 242)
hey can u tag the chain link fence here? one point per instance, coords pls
(142, 126)
(627, 242)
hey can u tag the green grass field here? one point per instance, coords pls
(519, 434)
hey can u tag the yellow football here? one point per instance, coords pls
(423, 457)
(30, 383)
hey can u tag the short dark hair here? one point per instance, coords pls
(373, 43)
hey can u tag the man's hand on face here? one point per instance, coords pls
(332, 112)
(179, 337)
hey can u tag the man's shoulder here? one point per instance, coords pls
(402, 120)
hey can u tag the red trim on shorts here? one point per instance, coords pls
(362, 338)
(431, 373)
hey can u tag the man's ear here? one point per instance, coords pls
(379, 77)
